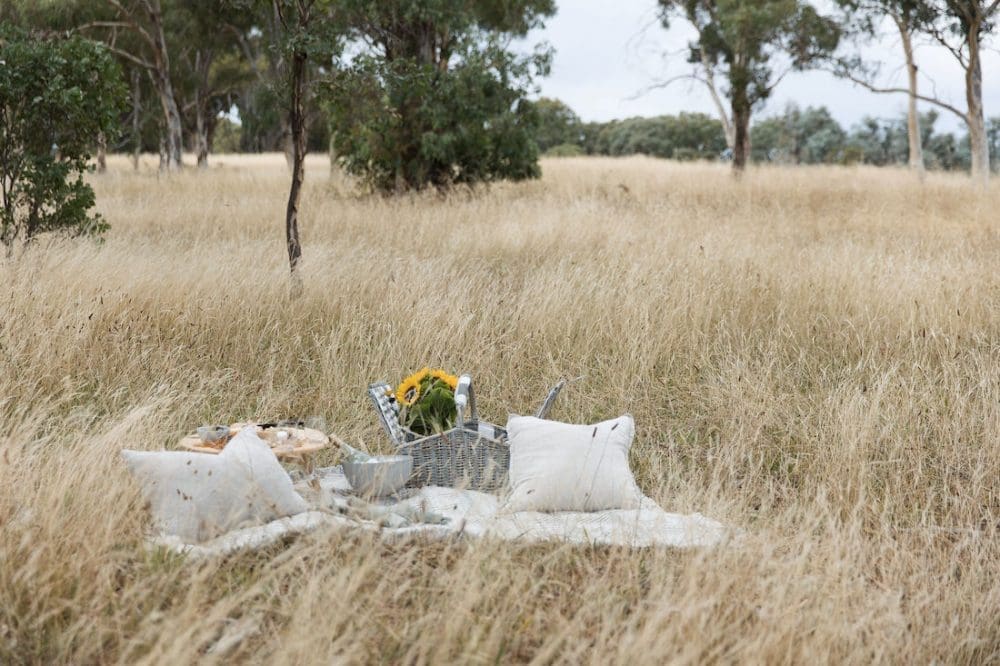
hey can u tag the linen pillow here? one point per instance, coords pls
(564, 467)
(198, 496)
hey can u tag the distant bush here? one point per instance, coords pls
(564, 150)
(227, 136)
(686, 136)
(56, 97)
(556, 124)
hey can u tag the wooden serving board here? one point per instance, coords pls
(302, 442)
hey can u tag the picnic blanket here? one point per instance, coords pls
(442, 513)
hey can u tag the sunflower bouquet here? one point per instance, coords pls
(427, 401)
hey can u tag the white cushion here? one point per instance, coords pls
(563, 467)
(198, 496)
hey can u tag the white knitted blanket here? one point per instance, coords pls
(439, 513)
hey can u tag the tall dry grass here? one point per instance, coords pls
(811, 355)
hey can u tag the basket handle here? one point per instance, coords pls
(387, 416)
(465, 398)
(543, 411)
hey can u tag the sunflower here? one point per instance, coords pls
(408, 391)
(450, 380)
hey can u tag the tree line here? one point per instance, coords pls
(794, 136)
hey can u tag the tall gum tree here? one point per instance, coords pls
(753, 45)
(212, 68)
(435, 97)
(960, 27)
(147, 49)
(863, 20)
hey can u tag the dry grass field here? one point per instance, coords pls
(810, 355)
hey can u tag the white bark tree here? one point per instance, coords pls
(863, 18)
(144, 20)
(960, 28)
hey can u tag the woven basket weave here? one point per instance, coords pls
(460, 458)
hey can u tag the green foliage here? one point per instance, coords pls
(565, 150)
(56, 97)
(811, 136)
(557, 124)
(438, 99)
(434, 411)
(885, 142)
(684, 136)
(993, 140)
(227, 136)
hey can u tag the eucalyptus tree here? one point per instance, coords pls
(212, 67)
(136, 31)
(753, 45)
(863, 19)
(434, 96)
(557, 124)
(961, 27)
(300, 38)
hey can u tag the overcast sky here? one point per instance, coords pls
(607, 51)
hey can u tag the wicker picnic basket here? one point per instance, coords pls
(474, 455)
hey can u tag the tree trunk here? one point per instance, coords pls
(297, 125)
(211, 123)
(136, 113)
(172, 120)
(912, 117)
(164, 156)
(727, 124)
(201, 134)
(978, 144)
(741, 131)
(288, 142)
(165, 89)
(102, 152)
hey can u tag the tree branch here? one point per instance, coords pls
(105, 24)
(245, 47)
(923, 98)
(666, 83)
(132, 22)
(958, 53)
(134, 59)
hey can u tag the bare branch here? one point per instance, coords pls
(141, 62)
(105, 24)
(133, 22)
(777, 80)
(957, 53)
(245, 47)
(923, 98)
(692, 76)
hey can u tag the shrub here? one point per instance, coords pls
(438, 98)
(564, 150)
(57, 96)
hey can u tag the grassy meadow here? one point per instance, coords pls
(811, 355)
